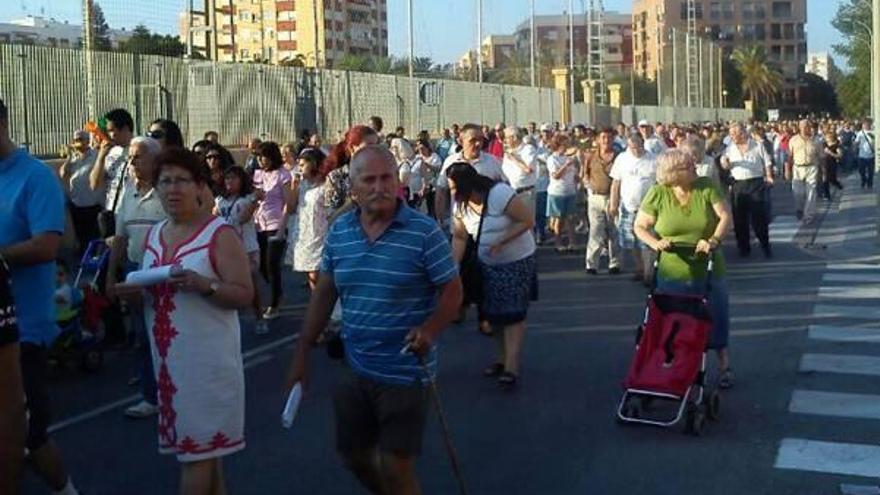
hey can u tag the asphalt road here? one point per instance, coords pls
(556, 434)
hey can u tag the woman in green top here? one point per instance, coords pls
(686, 209)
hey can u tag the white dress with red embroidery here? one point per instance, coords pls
(196, 348)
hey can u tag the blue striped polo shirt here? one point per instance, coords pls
(387, 288)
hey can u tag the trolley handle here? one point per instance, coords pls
(685, 249)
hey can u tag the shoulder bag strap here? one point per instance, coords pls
(120, 183)
(482, 217)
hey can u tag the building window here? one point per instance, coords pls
(244, 15)
(760, 11)
(760, 33)
(244, 53)
(715, 11)
(775, 31)
(698, 10)
(287, 15)
(788, 54)
(748, 10)
(776, 53)
(781, 10)
(727, 11)
(788, 31)
(800, 31)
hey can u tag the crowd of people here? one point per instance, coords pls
(395, 236)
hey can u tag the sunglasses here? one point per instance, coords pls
(157, 134)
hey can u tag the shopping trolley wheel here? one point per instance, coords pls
(713, 406)
(92, 360)
(694, 419)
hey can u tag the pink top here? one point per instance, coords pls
(270, 213)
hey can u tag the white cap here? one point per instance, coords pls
(644, 123)
(546, 127)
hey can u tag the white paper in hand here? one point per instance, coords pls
(292, 406)
(151, 276)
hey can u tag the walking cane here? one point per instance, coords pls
(447, 435)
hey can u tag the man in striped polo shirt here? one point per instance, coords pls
(393, 270)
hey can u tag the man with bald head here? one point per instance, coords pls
(805, 155)
(392, 269)
(139, 209)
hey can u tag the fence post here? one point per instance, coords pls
(348, 97)
(25, 114)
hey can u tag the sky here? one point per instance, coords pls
(443, 29)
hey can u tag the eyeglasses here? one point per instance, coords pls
(212, 156)
(167, 182)
(157, 134)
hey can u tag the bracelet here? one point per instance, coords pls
(714, 240)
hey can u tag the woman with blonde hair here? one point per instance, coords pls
(689, 210)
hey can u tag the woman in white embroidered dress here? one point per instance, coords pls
(194, 328)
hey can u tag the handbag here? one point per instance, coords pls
(107, 218)
(8, 319)
(470, 270)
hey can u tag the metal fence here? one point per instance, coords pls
(46, 89)
(631, 115)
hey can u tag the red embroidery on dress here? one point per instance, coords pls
(218, 441)
(163, 333)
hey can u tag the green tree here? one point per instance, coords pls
(512, 69)
(100, 30)
(144, 42)
(852, 20)
(760, 80)
(732, 83)
(818, 95)
(646, 90)
(298, 61)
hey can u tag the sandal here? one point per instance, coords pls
(486, 330)
(725, 381)
(507, 379)
(493, 369)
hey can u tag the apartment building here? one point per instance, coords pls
(319, 32)
(552, 39)
(777, 25)
(822, 65)
(36, 30)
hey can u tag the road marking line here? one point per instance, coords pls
(783, 229)
(867, 278)
(839, 311)
(835, 404)
(829, 457)
(258, 361)
(850, 292)
(842, 267)
(131, 399)
(840, 363)
(846, 489)
(844, 334)
(252, 357)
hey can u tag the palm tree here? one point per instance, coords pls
(760, 80)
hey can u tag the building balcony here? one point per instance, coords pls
(285, 6)
(286, 26)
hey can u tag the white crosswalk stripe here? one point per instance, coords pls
(844, 334)
(829, 457)
(849, 288)
(841, 363)
(783, 229)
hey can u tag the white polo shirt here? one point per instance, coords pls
(750, 164)
(485, 164)
(135, 215)
(518, 177)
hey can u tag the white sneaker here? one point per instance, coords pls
(262, 327)
(141, 410)
(271, 313)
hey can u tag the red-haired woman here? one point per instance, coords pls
(335, 168)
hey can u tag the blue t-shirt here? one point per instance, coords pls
(31, 203)
(387, 288)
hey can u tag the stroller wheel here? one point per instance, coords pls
(713, 406)
(695, 419)
(92, 360)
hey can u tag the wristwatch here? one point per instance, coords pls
(212, 289)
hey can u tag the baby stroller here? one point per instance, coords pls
(670, 360)
(82, 332)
